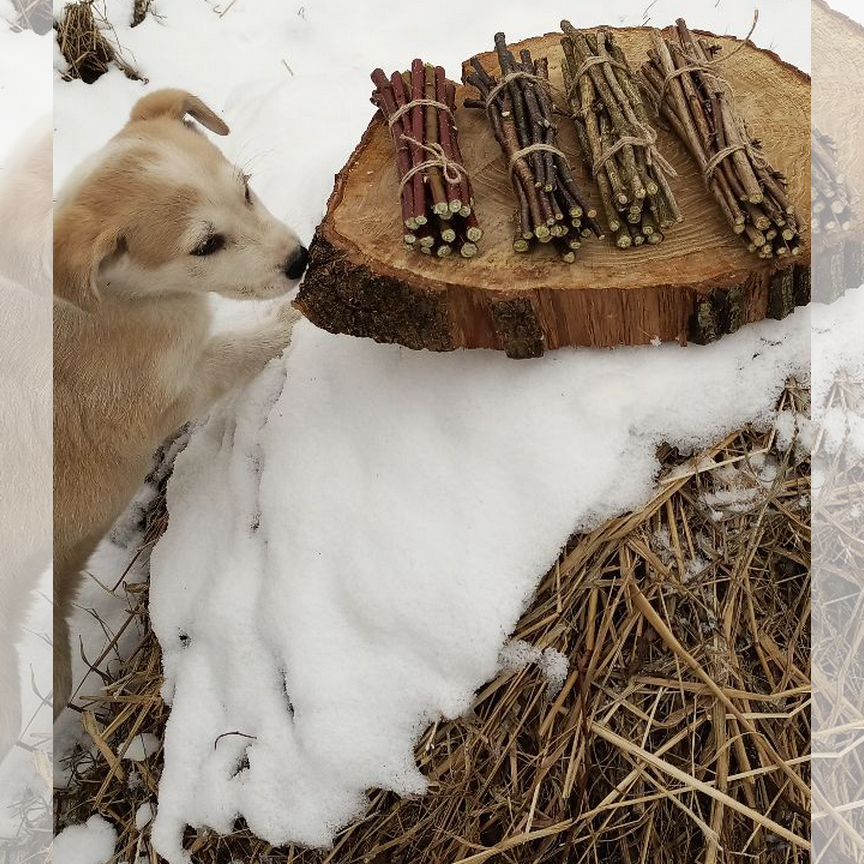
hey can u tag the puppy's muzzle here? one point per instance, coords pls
(295, 266)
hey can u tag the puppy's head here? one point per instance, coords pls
(164, 210)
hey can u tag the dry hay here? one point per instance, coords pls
(838, 636)
(681, 735)
(140, 10)
(84, 45)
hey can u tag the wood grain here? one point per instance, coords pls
(699, 283)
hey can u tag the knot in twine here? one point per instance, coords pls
(450, 168)
(739, 123)
(708, 65)
(593, 60)
(534, 148)
(397, 115)
(512, 76)
(648, 141)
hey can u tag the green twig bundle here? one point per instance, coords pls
(832, 197)
(685, 84)
(617, 139)
(437, 200)
(552, 208)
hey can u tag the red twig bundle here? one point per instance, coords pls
(437, 200)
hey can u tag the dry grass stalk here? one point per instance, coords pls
(838, 637)
(681, 734)
(84, 45)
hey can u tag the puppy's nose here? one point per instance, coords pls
(295, 266)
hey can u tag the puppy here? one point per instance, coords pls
(142, 233)
(25, 397)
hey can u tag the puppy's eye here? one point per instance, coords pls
(248, 193)
(212, 244)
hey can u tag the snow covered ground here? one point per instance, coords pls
(352, 540)
(25, 775)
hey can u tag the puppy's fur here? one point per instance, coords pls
(143, 231)
(25, 396)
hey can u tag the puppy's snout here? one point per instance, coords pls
(295, 266)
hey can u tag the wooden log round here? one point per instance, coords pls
(700, 283)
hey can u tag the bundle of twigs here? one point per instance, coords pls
(437, 200)
(552, 208)
(617, 139)
(832, 197)
(683, 79)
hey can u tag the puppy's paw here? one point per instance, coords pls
(280, 327)
(287, 316)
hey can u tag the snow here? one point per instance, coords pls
(142, 747)
(144, 816)
(353, 539)
(91, 843)
(358, 537)
(517, 655)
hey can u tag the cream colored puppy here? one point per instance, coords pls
(142, 233)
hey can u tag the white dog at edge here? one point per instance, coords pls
(25, 400)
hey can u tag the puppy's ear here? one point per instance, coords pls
(176, 104)
(80, 247)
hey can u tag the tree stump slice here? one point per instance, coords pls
(838, 47)
(697, 285)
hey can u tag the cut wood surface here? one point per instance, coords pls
(697, 285)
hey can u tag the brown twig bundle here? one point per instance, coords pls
(552, 208)
(832, 197)
(617, 139)
(690, 94)
(437, 199)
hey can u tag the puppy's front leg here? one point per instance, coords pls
(231, 360)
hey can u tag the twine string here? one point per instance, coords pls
(717, 158)
(590, 62)
(722, 86)
(512, 76)
(708, 65)
(647, 140)
(535, 148)
(397, 115)
(452, 170)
